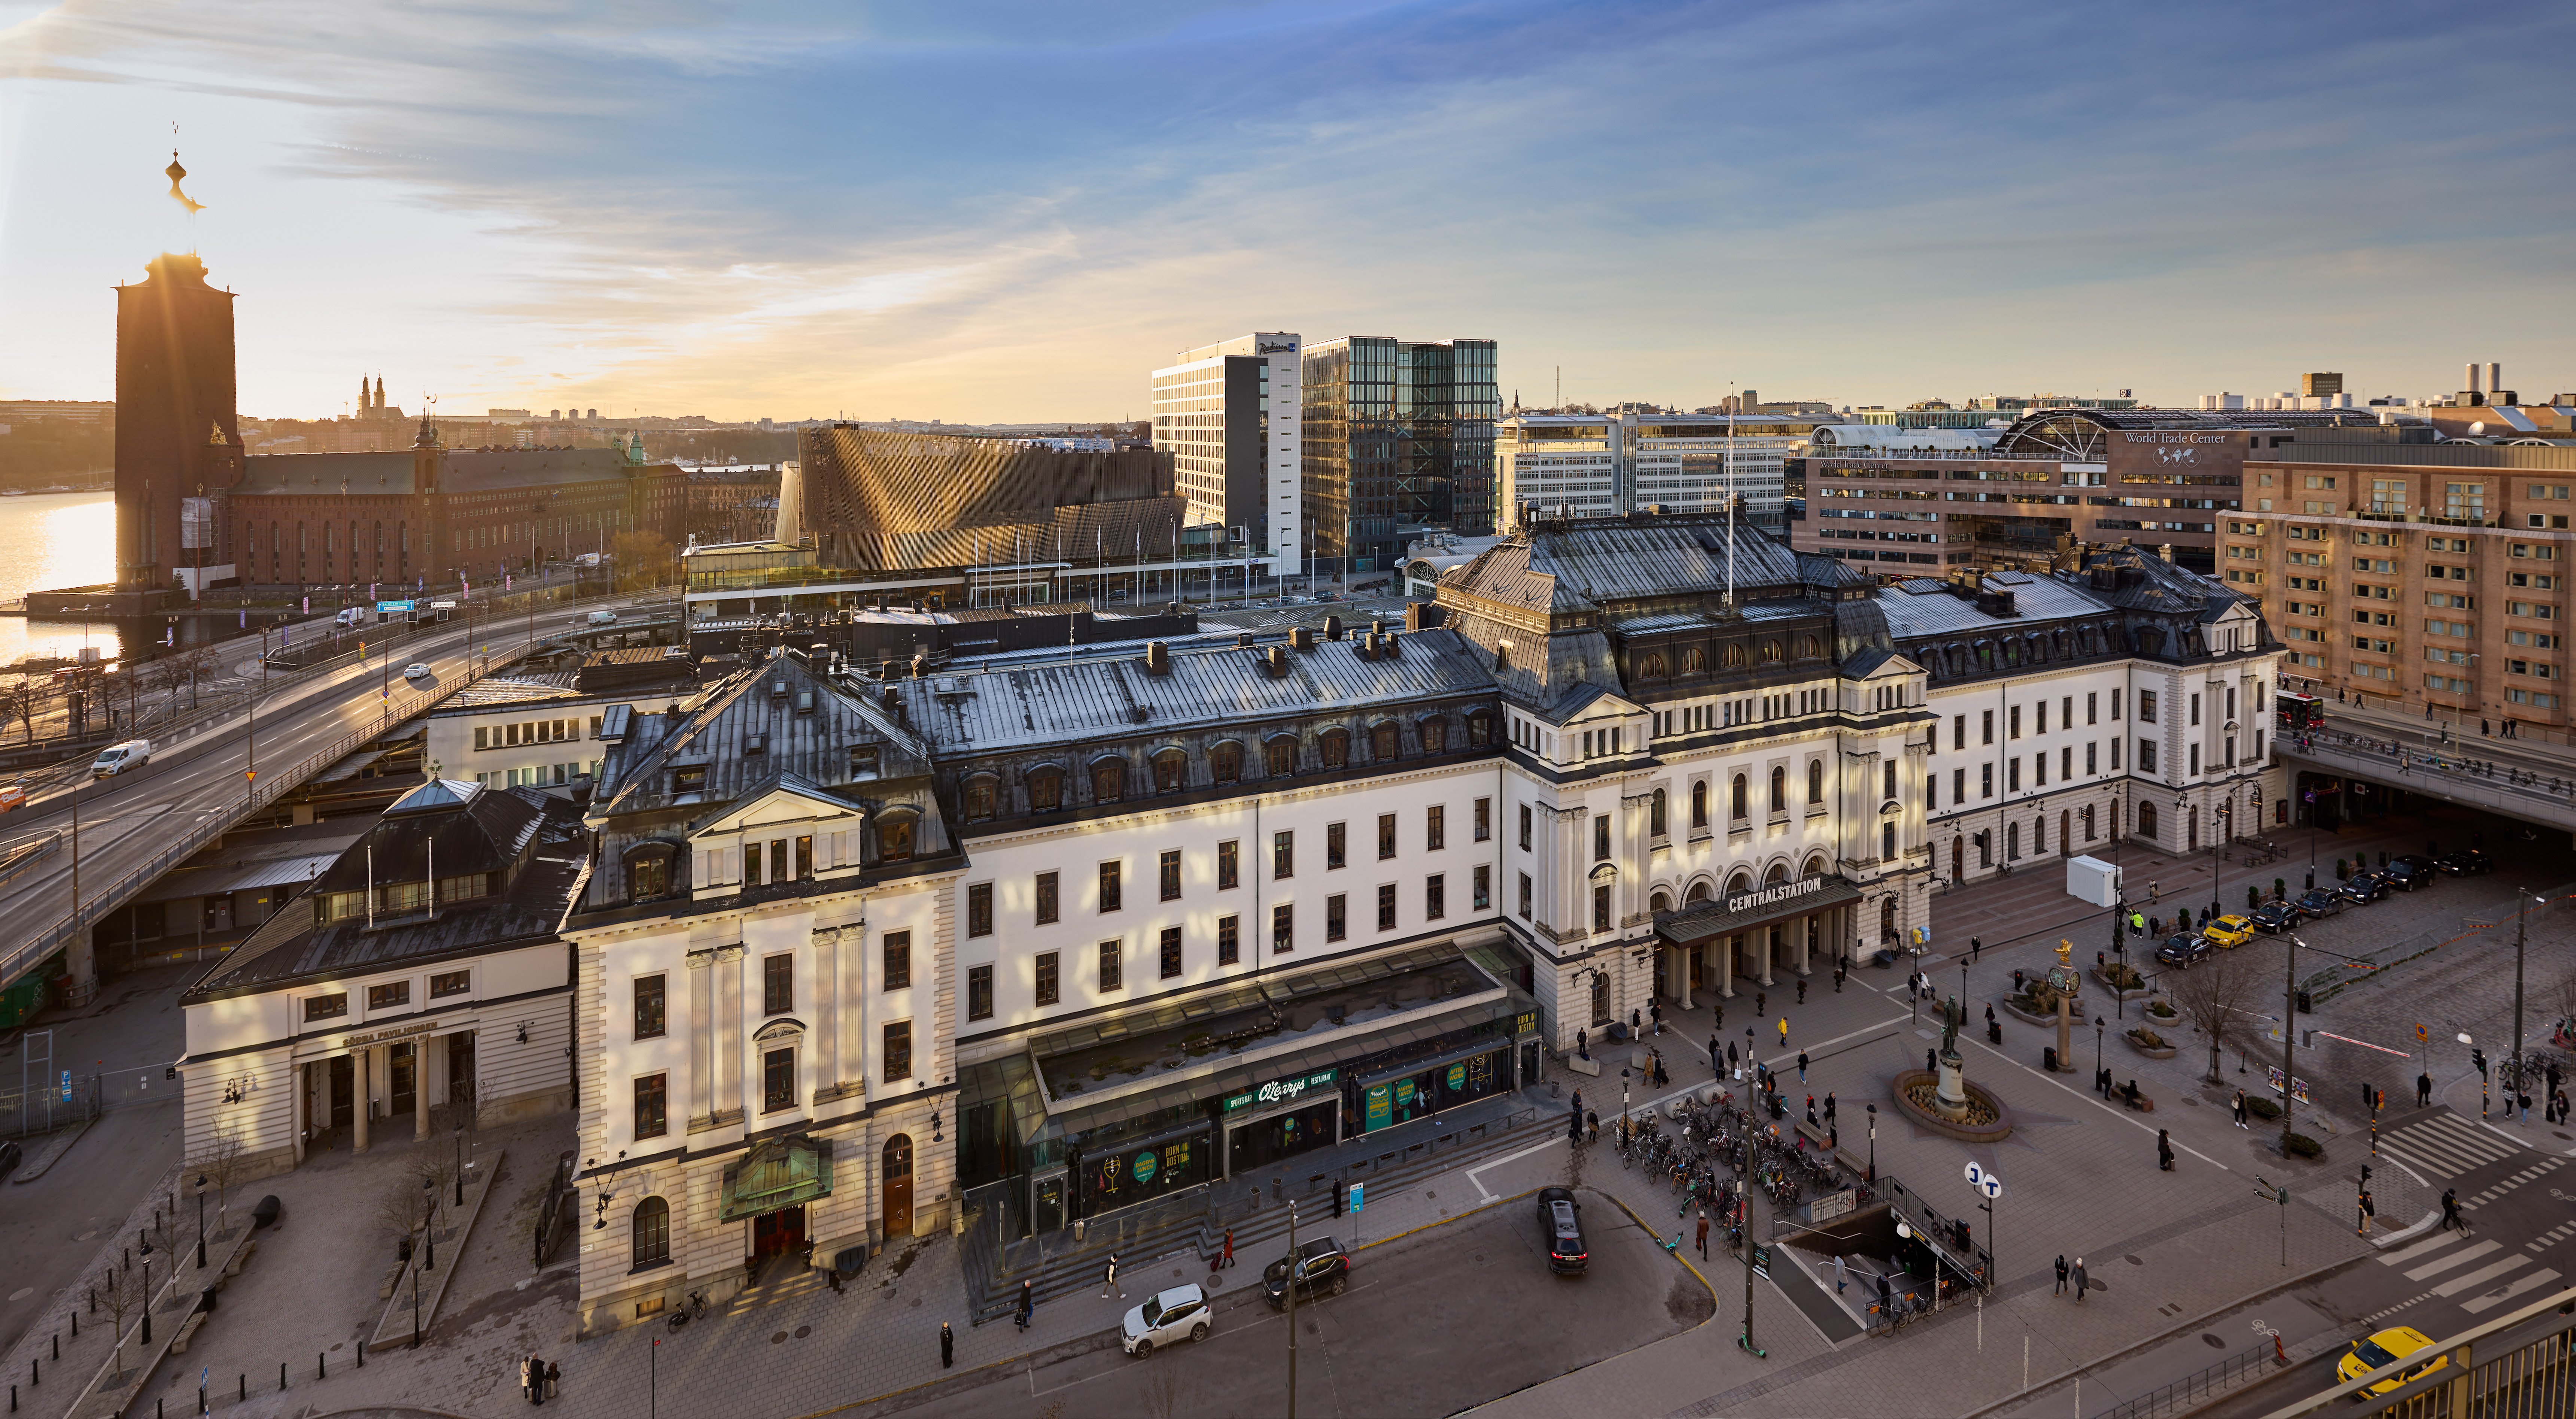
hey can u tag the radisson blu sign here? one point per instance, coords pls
(1281, 1091)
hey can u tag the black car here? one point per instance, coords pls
(8, 1156)
(1322, 1267)
(2364, 886)
(2183, 948)
(2467, 862)
(2320, 902)
(2273, 918)
(1560, 1230)
(2410, 872)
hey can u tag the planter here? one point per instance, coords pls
(1911, 1083)
(2150, 1051)
(2103, 977)
(2045, 1022)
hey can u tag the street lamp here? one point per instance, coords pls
(1873, 1143)
(201, 1221)
(2522, 898)
(2289, 1036)
(2100, 1026)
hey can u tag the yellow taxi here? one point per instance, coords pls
(2387, 1348)
(2230, 930)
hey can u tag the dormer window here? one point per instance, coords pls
(804, 702)
(778, 687)
(692, 779)
(755, 743)
(863, 762)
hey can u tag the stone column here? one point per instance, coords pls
(1726, 968)
(419, 1093)
(358, 1060)
(827, 1005)
(1682, 968)
(1763, 935)
(702, 1038)
(303, 1116)
(1807, 931)
(728, 1033)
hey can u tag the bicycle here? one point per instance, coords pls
(689, 1310)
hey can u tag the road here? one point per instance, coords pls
(125, 822)
(1466, 1314)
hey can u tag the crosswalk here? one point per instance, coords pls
(2445, 1144)
(2452, 1264)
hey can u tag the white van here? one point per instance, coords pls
(603, 618)
(350, 616)
(117, 758)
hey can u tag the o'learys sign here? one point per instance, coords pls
(1280, 1091)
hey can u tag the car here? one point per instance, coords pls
(2274, 917)
(349, 616)
(2410, 872)
(1322, 1266)
(9, 1155)
(2364, 886)
(1560, 1230)
(2387, 1347)
(13, 795)
(2467, 862)
(416, 671)
(2183, 948)
(2230, 930)
(118, 758)
(2319, 902)
(1181, 1313)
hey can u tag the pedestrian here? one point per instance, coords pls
(1990, 1014)
(2423, 1090)
(1635, 1024)
(2164, 1149)
(1811, 1111)
(1716, 1061)
(1592, 1124)
(1761, 1004)
(1582, 1044)
(1028, 1304)
(2080, 1282)
(2451, 1211)
(2152, 890)
(2061, 1273)
(2240, 1110)
(1931, 1060)
(1663, 1077)
(536, 1380)
(1703, 1234)
(2369, 1210)
(1784, 1032)
(1839, 972)
(1730, 1057)
(2522, 1100)
(554, 1379)
(1802, 1066)
(1842, 1272)
(1829, 1108)
(1109, 1280)
(947, 1347)
(528, 1378)
(1802, 990)
(1574, 1125)
(1229, 1246)
(1975, 944)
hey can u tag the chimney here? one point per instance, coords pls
(1332, 628)
(1365, 647)
(1386, 645)
(1276, 661)
(1302, 637)
(1243, 639)
(1378, 625)
(2495, 378)
(2473, 386)
(921, 661)
(1158, 658)
(2165, 550)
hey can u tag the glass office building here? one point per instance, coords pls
(1399, 440)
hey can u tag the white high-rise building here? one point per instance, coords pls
(1602, 465)
(1228, 415)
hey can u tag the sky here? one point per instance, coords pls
(1008, 210)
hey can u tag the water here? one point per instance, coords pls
(50, 540)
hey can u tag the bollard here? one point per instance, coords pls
(362, 1355)
(321, 1366)
(245, 1387)
(58, 1345)
(35, 1374)
(281, 1374)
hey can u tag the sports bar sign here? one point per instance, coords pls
(1280, 1091)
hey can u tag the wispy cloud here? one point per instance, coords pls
(1015, 210)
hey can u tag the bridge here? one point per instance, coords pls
(2526, 780)
(82, 848)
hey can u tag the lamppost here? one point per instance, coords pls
(1744, 1198)
(2522, 899)
(2289, 1036)
(201, 1221)
(1873, 1143)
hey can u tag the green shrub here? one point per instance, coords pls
(2304, 1146)
(2261, 1107)
(2147, 1038)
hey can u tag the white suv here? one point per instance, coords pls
(1176, 1313)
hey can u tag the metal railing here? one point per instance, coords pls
(2517, 1366)
(66, 927)
(2192, 1389)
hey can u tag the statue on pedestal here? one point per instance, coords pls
(2063, 981)
(1951, 1097)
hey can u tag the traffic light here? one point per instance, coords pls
(2365, 1175)
(2478, 1057)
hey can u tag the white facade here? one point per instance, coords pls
(518, 733)
(1194, 413)
(1597, 465)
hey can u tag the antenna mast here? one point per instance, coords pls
(1732, 405)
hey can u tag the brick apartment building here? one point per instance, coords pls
(2431, 576)
(2154, 477)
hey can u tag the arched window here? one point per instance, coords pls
(1279, 755)
(1887, 918)
(1815, 867)
(1046, 789)
(1225, 762)
(1779, 789)
(982, 798)
(1733, 659)
(1383, 739)
(1108, 780)
(1435, 735)
(1171, 770)
(1777, 876)
(1741, 881)
(1735, 807)
(1661, 903)
(2039, 835)
(1697, 893)
(1809, 647)
(1986, 848)
(1337, 748)
(1958, 858)
(1480, 729)
(2012, 842)
(1699, 805)
(1655, 667)
(1694, 661)
(1815, 781)
(1771, 652)
(1655, 815)
(1600, 999)
(2147, 820)
(652, 1232)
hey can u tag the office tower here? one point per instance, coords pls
(1399, 440)
(1228, 414)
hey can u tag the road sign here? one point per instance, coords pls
(1356, 1196)
(1991, 1186)
(1976, 1174)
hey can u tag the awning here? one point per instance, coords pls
(239, 877)
(1706, 921)
(776, 1174)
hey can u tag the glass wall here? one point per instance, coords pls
(1264, 1141)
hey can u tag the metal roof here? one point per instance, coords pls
(1913, 614)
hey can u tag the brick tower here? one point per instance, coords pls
(178, 435)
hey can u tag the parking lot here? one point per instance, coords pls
(1433, 1324)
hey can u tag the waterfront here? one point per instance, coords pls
(50, 540)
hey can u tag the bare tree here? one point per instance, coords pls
(124, 1291)
(2213, 996)
(1168, 1393)
(2566, 992)
(220, 1165)
(20, 699)
(398, 1211)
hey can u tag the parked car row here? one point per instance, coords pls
(2411, 872)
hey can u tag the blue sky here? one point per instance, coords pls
(1015, 210)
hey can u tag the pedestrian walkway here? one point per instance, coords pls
(2445, 1145)
(2465, 1265)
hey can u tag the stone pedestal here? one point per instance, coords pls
(1951, 1095)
